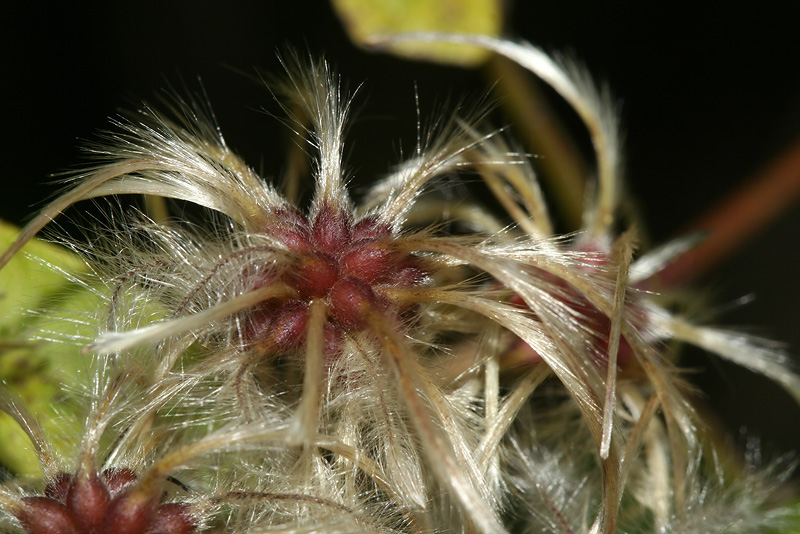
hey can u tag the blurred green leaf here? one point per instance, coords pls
(791, 522)
(32, 294)
(367, 19)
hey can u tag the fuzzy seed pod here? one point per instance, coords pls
(344, 366)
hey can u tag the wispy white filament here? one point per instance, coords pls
(576, 88)
(112, 342)
(624, 253)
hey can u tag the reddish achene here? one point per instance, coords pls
(102, 504)
(346, 263)
(593, 319)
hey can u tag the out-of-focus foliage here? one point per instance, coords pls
(31, 366)
(366, 19)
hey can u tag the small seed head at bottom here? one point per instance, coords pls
(101, 504)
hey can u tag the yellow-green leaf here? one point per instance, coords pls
(32, 293)
(369, 19)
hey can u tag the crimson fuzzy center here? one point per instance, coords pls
(345, 262)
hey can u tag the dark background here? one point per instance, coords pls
(709, 93)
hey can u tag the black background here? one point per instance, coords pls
(710, 94)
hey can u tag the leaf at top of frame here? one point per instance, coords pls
(367, 19)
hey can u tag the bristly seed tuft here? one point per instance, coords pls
(348, 264)
(347, 368)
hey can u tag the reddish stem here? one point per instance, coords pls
(739, 216)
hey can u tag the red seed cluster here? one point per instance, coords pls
(101, 504)
(592, 318)
(345, 262)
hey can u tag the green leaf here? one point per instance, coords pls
(33, 292)
(368, 19)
